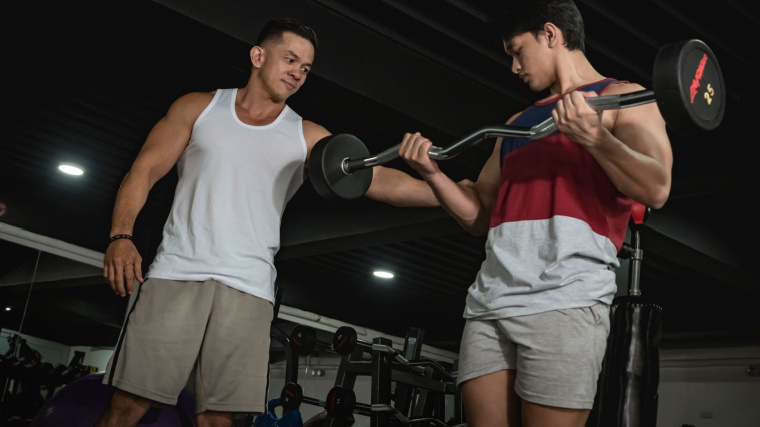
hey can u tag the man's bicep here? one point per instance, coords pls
(642, 129)
(312, 133)
(489, 179)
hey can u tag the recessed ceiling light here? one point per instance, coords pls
(383, 274)
(70, 169)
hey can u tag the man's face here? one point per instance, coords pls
(530, 59)
(286, 65)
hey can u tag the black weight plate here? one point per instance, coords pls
(344, 340)
(303, 339)
(326, 171)
(689, 87)
(340, 402)
(291, 396)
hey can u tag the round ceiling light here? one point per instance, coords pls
(383, 274)
(70, 169)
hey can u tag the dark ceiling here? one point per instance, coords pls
(86, 80)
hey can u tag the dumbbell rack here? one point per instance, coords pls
(421, 385)
(424, 382)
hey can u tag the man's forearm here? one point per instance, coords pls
(462, 201)
(129, 201)
(399, 189)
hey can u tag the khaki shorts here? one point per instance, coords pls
(175, 327)
(557, 355)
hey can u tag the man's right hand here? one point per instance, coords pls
(414, 150)
(121, 266)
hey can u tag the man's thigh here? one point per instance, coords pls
(559, 355)
(160, 341)
(233, 367)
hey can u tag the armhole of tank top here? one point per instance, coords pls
(303, 146)
(610, 83)
(501, 149)
(208, 108)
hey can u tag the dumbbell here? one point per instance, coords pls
(291, 396)
(688, 89)
(303, 340)
(341, 403)
(345, 340)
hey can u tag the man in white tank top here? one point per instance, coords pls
(206, 301)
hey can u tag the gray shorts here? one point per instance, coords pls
(557, 355)
(175, 327)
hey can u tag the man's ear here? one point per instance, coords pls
(553, 35)
(257, 56)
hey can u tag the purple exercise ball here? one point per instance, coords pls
(82, 402)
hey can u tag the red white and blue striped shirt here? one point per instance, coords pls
(557, 227)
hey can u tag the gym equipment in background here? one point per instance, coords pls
(627, 389)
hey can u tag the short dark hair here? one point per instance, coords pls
(529, 16)
(274, 29)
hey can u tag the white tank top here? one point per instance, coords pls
(234, 182)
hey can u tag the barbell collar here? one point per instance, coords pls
(351, 165)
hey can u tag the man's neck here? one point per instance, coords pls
(255, 106)
(573, 71)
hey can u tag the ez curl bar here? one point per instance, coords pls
(688, 88)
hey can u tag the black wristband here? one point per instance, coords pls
(119, 236)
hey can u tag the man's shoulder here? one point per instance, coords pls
(310, 127)
(620, 87)
(308, 124)
(191, 104)
(196, 98)
(313, 132)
